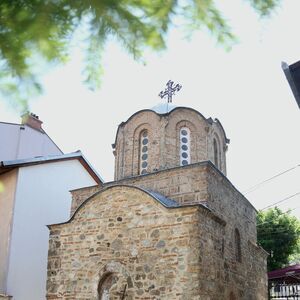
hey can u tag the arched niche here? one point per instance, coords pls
(114, 282)
(217, 152)
(237, 244)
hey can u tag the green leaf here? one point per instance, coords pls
(45, 29)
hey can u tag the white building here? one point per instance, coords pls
(35, 194)
(35, 180)
(25, 140)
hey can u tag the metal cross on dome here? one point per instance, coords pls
(170, 90)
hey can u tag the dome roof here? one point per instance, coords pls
(163, 108)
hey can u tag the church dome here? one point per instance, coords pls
(163, 108)
(167, 136)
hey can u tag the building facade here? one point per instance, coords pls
(171, 225)
(25, 140)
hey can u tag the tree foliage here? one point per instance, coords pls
(43, 29)
(279, 234)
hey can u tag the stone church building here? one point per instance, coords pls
(170, 226)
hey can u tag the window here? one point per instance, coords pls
(185, 157)
(216, 153)
(144, 145)
(237, 243)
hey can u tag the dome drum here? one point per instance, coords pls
(149, 141)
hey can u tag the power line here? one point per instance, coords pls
(258, 185)
(287, 198)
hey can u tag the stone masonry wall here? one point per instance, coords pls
(125, 234)
(248, 274)
(186, 185)
(257, 271)
(203, 183)
(80, 195)
(228, 202)
(197, 183)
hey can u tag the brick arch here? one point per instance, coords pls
(134, 118)
(143, 126)
(185, 123)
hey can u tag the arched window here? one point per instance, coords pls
(144, 148)
(185, 153)
(237, 243)
(216, 154)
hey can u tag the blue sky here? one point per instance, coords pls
(244, 88)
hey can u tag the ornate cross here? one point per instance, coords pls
(170, 90)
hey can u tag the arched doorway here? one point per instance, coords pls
(113, 287)
(114, 283)
(105, 285)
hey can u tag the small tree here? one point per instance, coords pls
(278, 233)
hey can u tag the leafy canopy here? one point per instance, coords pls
(279, 234)
(31, 30)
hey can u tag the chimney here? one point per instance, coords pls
(32, 121)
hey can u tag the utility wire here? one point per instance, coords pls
(258, 185)
(287, 198)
